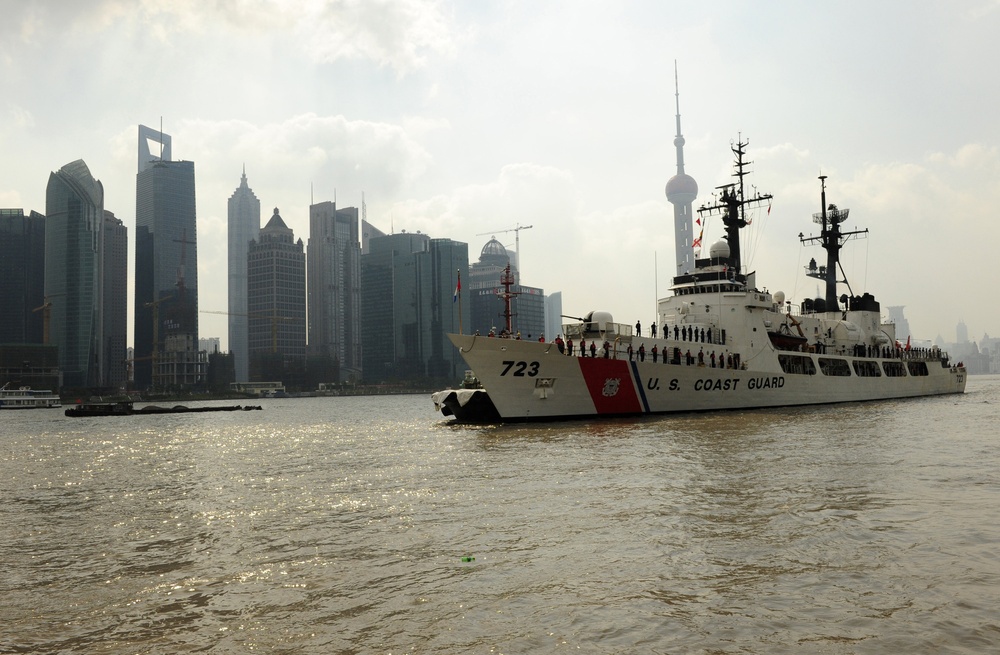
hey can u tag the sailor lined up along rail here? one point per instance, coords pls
(676, 351)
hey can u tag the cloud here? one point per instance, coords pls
(395, 33)
(520, 193)
(399, 34)
(328, 151)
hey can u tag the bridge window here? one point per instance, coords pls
(797, 364)
(836, 367)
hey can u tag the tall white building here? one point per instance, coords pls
(681, 191)
(553, 315)
(244, 227)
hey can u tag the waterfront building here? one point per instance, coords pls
(897, 317)
(74, 292)
(334, 275)
(30, 365)
(410, 305)
(244, 227)
(210, 345)
(115, 305)
(22, 269)
(276, 302)
(166, 269)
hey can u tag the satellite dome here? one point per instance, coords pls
(779, 297)
(682, 189)
(719, 250)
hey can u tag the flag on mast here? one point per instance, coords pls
(458, 288)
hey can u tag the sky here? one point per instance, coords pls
(463, 120)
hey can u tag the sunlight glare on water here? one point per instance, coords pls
(370, 524)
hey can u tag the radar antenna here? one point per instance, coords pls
(733, 203)
(832, 239)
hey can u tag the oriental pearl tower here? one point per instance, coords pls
(681, 192)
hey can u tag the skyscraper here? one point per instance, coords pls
(166, 268)
(74, 244)
(438, 271)
(276, 298)
(553, 315)
(22, 269)
(410, 306)
(115, 305)
(681, 191)
(244, 227)
(334, 273)
(389, 310)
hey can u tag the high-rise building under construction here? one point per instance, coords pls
(166, 268)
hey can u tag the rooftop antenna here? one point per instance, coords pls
(312, 200)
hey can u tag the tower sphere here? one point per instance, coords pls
(681, 189)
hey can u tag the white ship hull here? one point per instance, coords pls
(534, 381)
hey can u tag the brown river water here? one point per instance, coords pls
(371, 525)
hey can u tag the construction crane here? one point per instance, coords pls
(46, 309)
(273, 316)
(517, 241)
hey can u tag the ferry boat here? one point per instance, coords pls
(723, 343)
(27, 398)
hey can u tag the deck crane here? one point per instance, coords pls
(517, 241)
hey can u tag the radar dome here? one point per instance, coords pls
(598, 321)
(682, 189)
(779, 297)
(719, 250)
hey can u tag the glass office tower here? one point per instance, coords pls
(166, 269)
(74, 244)
(244, 227)
(22, 268)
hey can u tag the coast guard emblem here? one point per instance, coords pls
(611, 387)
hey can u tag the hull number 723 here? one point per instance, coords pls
(520, 368)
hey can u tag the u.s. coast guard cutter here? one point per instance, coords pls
(722, 343)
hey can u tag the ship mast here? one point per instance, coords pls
(507, 280)
(832, 239)
(733, 203)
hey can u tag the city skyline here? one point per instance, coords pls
(426, 111)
